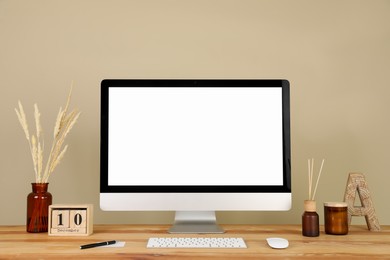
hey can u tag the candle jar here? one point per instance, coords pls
(336, 218)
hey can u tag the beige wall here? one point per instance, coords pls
(336, 55)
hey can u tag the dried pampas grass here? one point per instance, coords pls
(64, 123)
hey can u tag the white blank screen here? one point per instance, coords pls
(195, 136)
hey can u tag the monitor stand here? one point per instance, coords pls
(198, 222)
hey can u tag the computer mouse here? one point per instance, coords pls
(277, 242)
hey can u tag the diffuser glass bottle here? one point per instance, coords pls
(310, 220)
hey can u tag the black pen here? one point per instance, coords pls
(98, 244)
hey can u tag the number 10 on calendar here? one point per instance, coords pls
(70, 220)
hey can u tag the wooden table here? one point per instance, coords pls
(15, 242)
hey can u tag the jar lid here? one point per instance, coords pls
(336, 204)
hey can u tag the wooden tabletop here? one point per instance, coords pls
(15, 242)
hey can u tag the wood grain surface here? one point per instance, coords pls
(360, 243)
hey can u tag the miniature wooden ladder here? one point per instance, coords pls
(357, 184)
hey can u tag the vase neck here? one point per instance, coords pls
(39, 187)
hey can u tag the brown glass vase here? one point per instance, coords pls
(38, 202)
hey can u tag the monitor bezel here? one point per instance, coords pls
(108, 83)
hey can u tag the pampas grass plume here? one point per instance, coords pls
(64, 123)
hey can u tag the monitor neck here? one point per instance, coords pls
(199, 222)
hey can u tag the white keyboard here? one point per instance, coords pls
(196, 242)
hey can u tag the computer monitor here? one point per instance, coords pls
(195, 147)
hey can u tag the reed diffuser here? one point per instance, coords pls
(310, 218)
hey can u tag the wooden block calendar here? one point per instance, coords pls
(71, 220)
